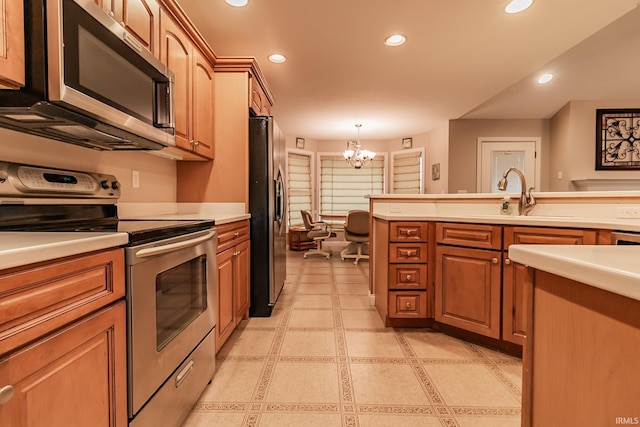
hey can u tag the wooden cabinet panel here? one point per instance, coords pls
(469, 235)
(141, 18)
(38, 299)
(515, 282)
(175, 53)
(467, 289)
(548, 236)
(75, 377)
(12, 65)
(242, 283)
(408, 276)
(408, 231)
(232, 233)
(202, 109)
(408, 252)
(226, 321)
(407, 305)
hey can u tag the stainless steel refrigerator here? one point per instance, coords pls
(267, 205)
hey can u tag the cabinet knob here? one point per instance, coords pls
(236, 234)
(408, 305)
(111, 14)
(6, 393)
(507, 261)
(408, 277)
(408, 232)
(494, 260)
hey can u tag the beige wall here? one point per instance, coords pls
(573, 147)
(157, 175)
(463, 136)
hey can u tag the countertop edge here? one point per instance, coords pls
(610, 268)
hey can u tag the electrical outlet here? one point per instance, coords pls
(135, 179)
(628, 212)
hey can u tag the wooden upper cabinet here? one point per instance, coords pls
(193, 88)
(258, 101)
(202, 112)
(11, 44)
(141, 18)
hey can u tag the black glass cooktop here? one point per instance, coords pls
(97, 218)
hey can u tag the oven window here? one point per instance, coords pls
(181, 295)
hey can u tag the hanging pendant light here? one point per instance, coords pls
(355, 156)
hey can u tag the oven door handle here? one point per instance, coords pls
(172, 247)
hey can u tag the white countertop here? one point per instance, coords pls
(22, 248)
(611, 268)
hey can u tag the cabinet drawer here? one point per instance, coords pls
(548, 236)
(43, 297)
(408, 305)
(469, 235)
(408, 232)
(409, 276)
(408, 252)
(232, 233)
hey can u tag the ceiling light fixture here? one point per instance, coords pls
(237, 3)
(516, 6)
(395, 40)
(545, 78)
(277, 58)
(356, 157)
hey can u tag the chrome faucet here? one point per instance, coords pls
(526, 202)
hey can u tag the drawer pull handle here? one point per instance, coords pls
(6, 393)
(184, 374)
(408, 277)
(409, 253)
(494, 260)
(408, 232)
(507, 261)
(408, 305)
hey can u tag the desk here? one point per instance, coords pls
(298, 240)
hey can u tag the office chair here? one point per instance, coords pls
(356, 231)
(318, 232)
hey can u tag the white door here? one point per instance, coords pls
(496, 155)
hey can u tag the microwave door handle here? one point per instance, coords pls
(172, 247)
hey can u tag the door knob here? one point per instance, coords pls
(507, 261)
(494, 260)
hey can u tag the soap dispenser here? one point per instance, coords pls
(504, 209)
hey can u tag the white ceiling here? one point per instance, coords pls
(463, 59)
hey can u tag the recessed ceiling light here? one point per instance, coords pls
(237, 3)
(516, 6)
(395, 40)
(277, 58)
(545, 78)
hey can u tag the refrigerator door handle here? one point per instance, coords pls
(280, 198)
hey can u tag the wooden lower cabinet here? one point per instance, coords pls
(73, 377)
(468, 289)
(234, 295)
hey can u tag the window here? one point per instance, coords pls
(407, 171)
(299, 182)
(343, 188)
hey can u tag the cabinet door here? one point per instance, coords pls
(141, 18)
(75, 377)
(11, 44)
(516, 282)
(226, 321)
(467, 289)
(202, 109)
(242, 283)
(175, 53)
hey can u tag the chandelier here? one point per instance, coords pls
(355, 156)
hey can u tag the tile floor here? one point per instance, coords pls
(324, 358)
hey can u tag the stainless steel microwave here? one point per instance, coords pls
(89, 82)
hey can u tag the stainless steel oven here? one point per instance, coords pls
(171, 276)
(171, 295)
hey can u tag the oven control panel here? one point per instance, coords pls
(20, 180)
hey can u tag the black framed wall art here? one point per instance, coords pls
(618, 139)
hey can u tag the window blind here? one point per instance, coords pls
(299, 186)
(408, 172)
(343, 188)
